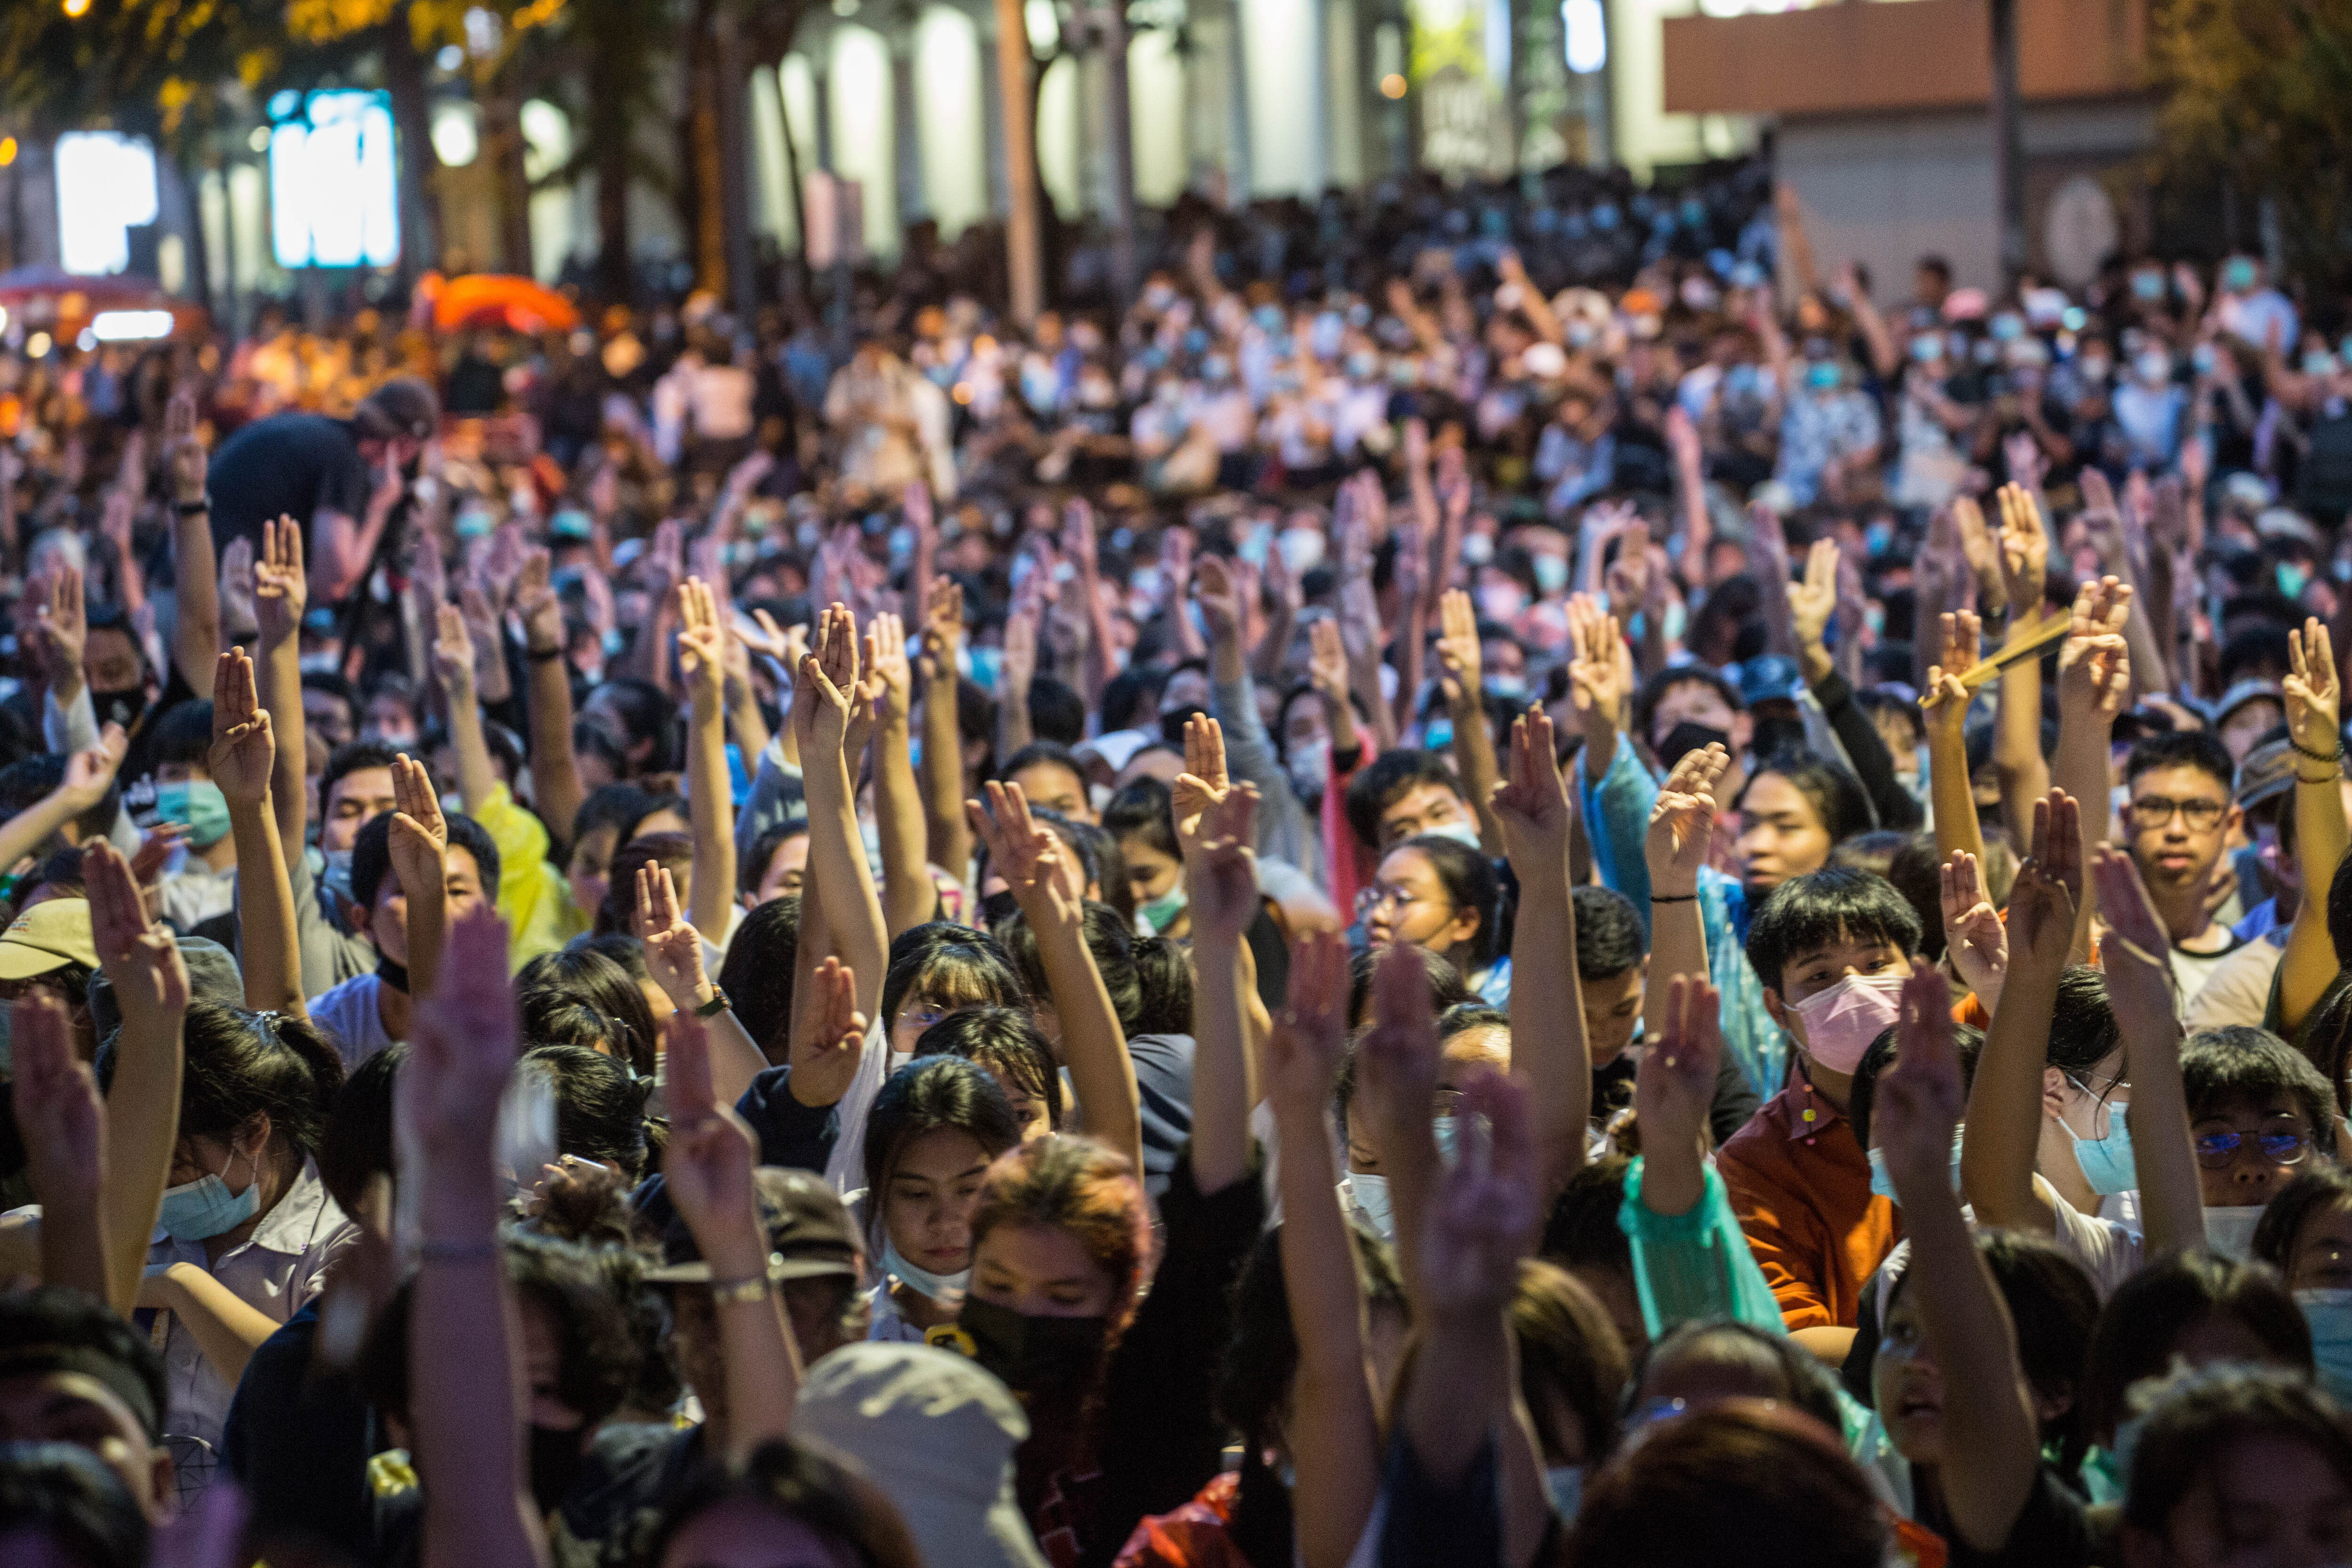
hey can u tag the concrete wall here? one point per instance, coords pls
(1887, 189)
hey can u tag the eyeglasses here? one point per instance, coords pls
(2219, 1150)
(2155, 811)
(920, 1017)
(1380, 895)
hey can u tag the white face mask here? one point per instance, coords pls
(1460, 832)
(1369, 1195)
(2231, 1231)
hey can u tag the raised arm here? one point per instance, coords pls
(822, 694)
(1465, 700)
(453, 660)
(195, 570)
(1221, 877)
(465, 1360)
(2139, 983)
(280, 591)
(1078, 544)
(1680, 825)
(62, 1123)
(88, 773)
(2313, 702)
(2094, 678)
(946, 833)
(1332, 1427)
(1396, 1067)
(909, 899)
(1548, 1047)
(1946, 705)
(242, 759)
(2017, 757)
(142, 1107)
(2004, 1127)
(702, 659)
(707, 1169)
(1600, 681)
(1992, 1448)
(673, 960)
(554, 771)
(1094, 1046)
(1014, 674)
(342, 547)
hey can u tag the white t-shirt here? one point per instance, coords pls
(349, 1015)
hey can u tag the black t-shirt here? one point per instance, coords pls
(298, 1438)
(289, 464)
(2052, 1531)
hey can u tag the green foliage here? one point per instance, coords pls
(2258, 94)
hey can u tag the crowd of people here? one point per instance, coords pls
(1502, 879)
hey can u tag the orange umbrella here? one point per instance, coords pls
(497, 300)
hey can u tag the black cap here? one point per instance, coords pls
(809, 1233)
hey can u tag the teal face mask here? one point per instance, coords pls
(1162, 911)
(198, 803)
(2329, 1314)
(2107, 1162)
(1883, 1182)
(204, 1208)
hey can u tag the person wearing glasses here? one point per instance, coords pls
(2178, 818)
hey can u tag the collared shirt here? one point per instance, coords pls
(1617, 816)
(353, 1017)
(277, 1271)
(1800, 1184)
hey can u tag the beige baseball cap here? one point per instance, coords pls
(51, 935)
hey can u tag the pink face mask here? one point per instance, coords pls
(1840, 1022)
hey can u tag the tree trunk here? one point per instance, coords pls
(609, 131)
(416, 162)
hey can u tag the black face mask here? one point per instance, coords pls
(1689, 736)
(1780, 734)
(557, 1454)
(392, 974)
(123, 708)
(1034, 1354)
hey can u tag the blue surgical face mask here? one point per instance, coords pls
(1369, 1193)
(2329, 1314)
(198, 803)
(2107, 1162)
(337, 877)
(1511, 688)
(1464, 833)
(2238, 276)
(204, 1208)
(1551, 571)
(1883, 1182)
(938, 1287)
(1447, 1130)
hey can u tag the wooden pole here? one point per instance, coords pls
(1012, 67)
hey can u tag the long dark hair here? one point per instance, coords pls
(576, 996)
(241, 1064)
(1470, 881)
(929, 1095)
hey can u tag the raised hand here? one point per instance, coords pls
(1947, 701)
(1079, 535)
(701, 645)
(707, 1167)
(1978, 546)
(420, 834)
(889, 683)
(62, 629)
(140, 960)
(943, 630)
(1921, 1100)
(673, 947)
(181, 450)
(280, 586)
(1683, 820)
(2314, 699)
(824, 684)
(1044, 878)
(453, 657)
(1484, 1214)
(237, 584)
(1600, 667)
(243, 747)
(1458, 652)
(1327, 661)
(2134, 939)
(1220, 869)
(58, 1111)
(2024, 548)
(1673, 1091)
(1019, 665)
(832, 1030)
(1310, 1033)
(1531, 801)
(428, 573)
(537, 602)
(1220, 599)
(1812, 601)
(2093, 662)
(2048, 890)
(1973, 932)
(462, 1044)
(1204, 781)
(1396, 1061)
(88, 773)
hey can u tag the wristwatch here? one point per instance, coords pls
(193, 508)
(715, 1006)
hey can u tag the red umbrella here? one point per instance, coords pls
(497, 300)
